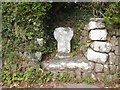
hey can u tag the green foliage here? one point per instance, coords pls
(118, 75)
(65, 77)
(112, 15)
(30, 76)
(86, 80)
(22, 24)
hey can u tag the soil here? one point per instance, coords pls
(60, 84)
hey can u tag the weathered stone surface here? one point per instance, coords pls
(112, 69)
(113, 59)
(38, 55)
(104, 77)
(63, 37)
(117, 52)
(78, 74)
(101, 46)
(118, 68)
(106, 68)
(93, 75)
(32, 56)
(113, 48)
(86, 74)
(114, 41)
(40, 41)
(109, 78)
(95, 24)
(92, 65)
(69, 63)
(63, 55)
(96, 56)
(98, 68)
(100, 76)
(98, 34)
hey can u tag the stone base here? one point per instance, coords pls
(63, 55)
(78, 68)
(58, 64)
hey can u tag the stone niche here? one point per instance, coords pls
(101, 57)
(63, 61)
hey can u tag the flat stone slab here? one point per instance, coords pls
(95, 24)
(96, 56)
(100, 34)
(69, 63)
(101, 46)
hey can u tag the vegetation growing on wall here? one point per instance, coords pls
(23, 23)
(112, 16)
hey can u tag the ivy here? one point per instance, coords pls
(22, 24)
(112, 15)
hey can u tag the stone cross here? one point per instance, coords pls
(63, 37)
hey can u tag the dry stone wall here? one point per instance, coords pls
(103, 53)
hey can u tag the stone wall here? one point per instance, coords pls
(101, 61)
(103, 51)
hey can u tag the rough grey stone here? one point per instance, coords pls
(100, 76)
(63, 55)
(118, 33)
(101, 46)
(98, 68)
(113, 59)
(114, 41)
(63, 37)
(96, 56)
(96, 23)
(117, 50)
(86, 74)
(109, 78)
(92, 65)
(38, 55)
(98, 34)
(118, 68)
(78, 74)
(94, 75)
(112, 69)
(106, 68)
(40, 41)
(31, 56)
